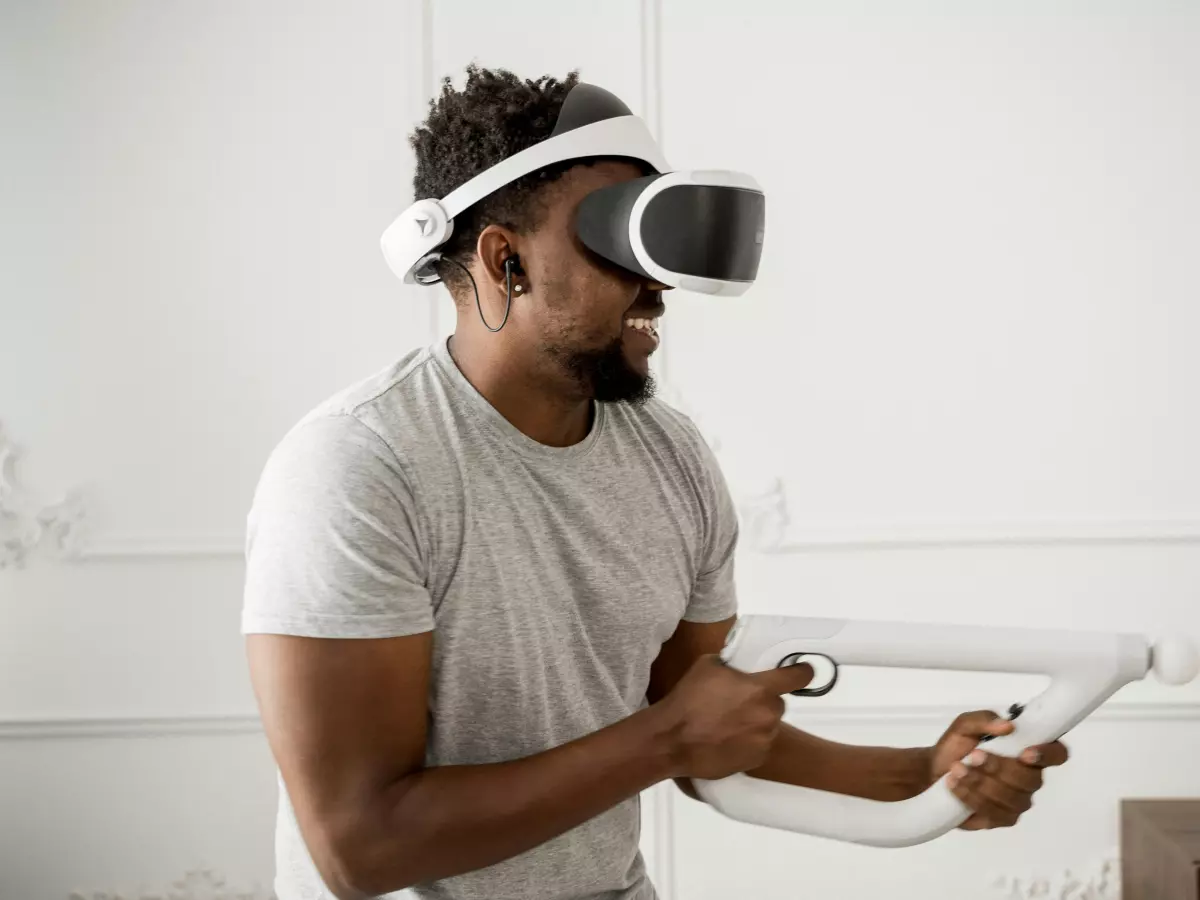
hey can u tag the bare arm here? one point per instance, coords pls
(998, 791)
(339, 626)
(796, 757)
(336, 571)
(346, 721)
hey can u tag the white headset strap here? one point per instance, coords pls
(619, 136)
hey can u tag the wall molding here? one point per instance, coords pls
(205, 725)
(427, 94)
(137, 547)
(1100, 880)
(59, 728)
(768, 529)
(651, 28)
(663, 873)
(766, 523)
(196, 884)
(27, 524)
(944, 713)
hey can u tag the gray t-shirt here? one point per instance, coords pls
(550, 576)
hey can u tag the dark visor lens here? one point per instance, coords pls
(708, 231)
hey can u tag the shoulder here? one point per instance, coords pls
(395, 395)
(354, 437)
(385, 408)
(664, 423)
(334, 541)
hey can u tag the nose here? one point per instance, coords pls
(657, 286)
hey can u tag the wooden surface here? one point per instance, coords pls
(1160, 849)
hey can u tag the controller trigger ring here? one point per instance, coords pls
(792, 658)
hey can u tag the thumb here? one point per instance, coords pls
(981, 722)
(785, 679)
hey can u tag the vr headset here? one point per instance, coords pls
(700, 231)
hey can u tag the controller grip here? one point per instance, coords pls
(901, 823)
(839, 817)
(1084, 672)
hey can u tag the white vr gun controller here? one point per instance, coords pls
(1085, 669)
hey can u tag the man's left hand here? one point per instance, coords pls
(998, 789)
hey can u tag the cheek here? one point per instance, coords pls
(585, 299)
(610, 292)
(606, 303)
(600, 285)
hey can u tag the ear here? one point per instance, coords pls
(496, 244)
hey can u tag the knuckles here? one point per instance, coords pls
(766, 717)
(987, 795)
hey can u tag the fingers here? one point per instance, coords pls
(981, 722)
(975, 823)
(785, 679)
(1046, 755)
(993, 803)
(984, 722)
(1010, 772)
(997, 789)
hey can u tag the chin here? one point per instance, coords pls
(638, 362)
(615, 373)
(630, 383)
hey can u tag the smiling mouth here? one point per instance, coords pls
(644, 325)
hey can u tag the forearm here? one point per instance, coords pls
(878, 773)
(444, 821)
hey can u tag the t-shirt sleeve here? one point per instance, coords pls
(714, 594)
(333, 543)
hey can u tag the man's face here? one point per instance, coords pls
(583, 306)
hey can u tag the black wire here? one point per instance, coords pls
(475, 288)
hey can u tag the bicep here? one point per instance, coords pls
(339, 624)
(345, 719)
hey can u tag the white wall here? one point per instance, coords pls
(193, 196)
(961, 390)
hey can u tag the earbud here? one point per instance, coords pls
(512, 266)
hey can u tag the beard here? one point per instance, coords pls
(605, 374)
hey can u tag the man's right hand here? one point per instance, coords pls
(722, 721)
(347, 722)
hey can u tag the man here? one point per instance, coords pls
(487, 586)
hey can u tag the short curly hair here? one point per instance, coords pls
(494, 116)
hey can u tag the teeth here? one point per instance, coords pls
(646, 326)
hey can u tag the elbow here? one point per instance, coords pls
(362, 854)
(342, 872)
(353, 868)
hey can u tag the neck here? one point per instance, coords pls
(529, 400)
